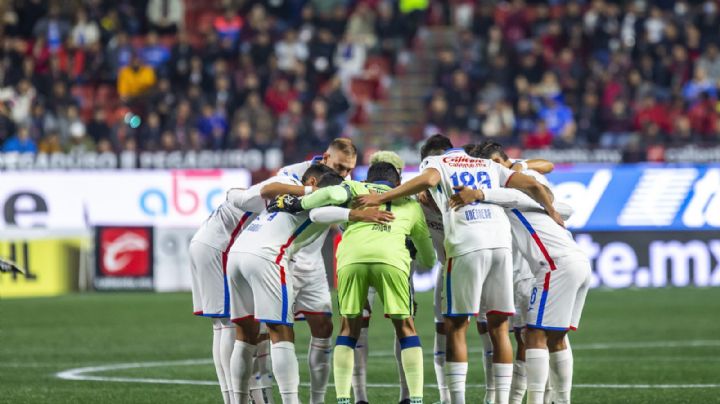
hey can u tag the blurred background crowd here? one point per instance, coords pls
(112, 76)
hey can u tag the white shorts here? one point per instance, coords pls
(439, 298)
(312, 293)
(209, 284)
(259, 289)
(558, 296)
(479, 276)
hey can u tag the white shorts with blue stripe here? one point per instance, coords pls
(558, 297)
(209, 285)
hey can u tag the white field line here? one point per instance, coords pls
(84, 373)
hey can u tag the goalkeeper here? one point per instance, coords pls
(374, 255)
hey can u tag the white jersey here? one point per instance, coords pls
(240, 207)
(437, 232)
(476, 226)
(310, 258)
(276, 236)
(540, 240)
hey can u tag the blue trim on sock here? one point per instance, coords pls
(347, 341)
(410, 342)
(542, 327)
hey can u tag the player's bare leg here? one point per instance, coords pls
(411, 358)
(284, 362)
(502, 356)
(519, 381)
(241, 361)
(457, 360)
(321, 329)
(439, 362)
(487, 362)
(344, 357)
(261, 381)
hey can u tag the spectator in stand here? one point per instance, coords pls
(241, 136)
(212, 126)
(290, 51)
(525, 118)
(51, 143)
(166, 16)
(85, 32)
(589, 119)
(135, 80)
(699, 84)
(460, 97)
(710, 63)
(279, 96)
(154, 53)
(618, 126)
(79, 141)
(180, 56)
(703, 116)
(228, 26)
(557, 116)
(350, 56)
(181, 121)
(20, 143)
(53, 29)
(168, 142)
(119, 53)
(541, 138)
(98, 128)
(256, 113)
(650, 111)
(318, 130)
(150, 132)
(21, 99)
(499, 122)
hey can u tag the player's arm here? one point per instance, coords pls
(429, 178)
(514, 199)
(247, 200)
(336, 214)
(274, 189)
(335, 195)
(537, 191)
(540, 165)
(420, 236)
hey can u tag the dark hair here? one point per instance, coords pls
(316, 171)
(436, 144)
(329, 179)
(383, 172)
(491, 148)
(343, 145)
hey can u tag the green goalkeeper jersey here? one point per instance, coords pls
(364, 242)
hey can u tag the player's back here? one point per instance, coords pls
(477, 225)
(365, 242)
(220, 228)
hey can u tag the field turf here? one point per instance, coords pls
(634, 346)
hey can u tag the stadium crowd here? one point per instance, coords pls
(192, 75)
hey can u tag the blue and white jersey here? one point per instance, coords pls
(476, 226)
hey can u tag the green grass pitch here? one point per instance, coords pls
(631, 340)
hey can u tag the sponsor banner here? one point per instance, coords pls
(252, 159)
(633, 197)
(653, 259)
(78, 199)
(124, 258)
(51, 266)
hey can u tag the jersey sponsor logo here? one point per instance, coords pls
(463, 161)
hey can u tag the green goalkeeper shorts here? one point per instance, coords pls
(392, 285)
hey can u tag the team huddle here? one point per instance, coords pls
(491, 222)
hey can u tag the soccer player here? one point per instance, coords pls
(562, 277)
(262, 290)
(477, 244)
(208, 258)
(384, 264)
(313, 302)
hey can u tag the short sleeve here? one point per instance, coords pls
(431, 162)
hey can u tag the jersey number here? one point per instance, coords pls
(480, 179)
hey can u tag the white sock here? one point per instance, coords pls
(286, 370)
(455, 375)
(502, 373)
(561, 369)
(227, 342)
(217, 361)
(439, 361)
(241, 369)
(488, 368)
(319, 364)
(519, 383)
(359, 378)
(262, 378)
(404, 392)
(537, 364)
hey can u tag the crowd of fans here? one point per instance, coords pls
(631, 76)
(154, 75)
(171, 75)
